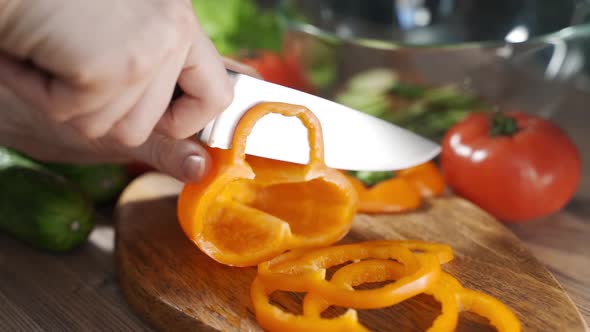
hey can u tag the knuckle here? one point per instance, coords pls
(159, 38)
(179, 13)
(181, 23)
(89, 71)
(137, 66)
(185, 19)
(84, 74)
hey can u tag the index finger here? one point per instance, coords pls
(207, 91)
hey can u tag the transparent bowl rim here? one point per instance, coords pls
(568, 33)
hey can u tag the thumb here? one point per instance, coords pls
(186, 160)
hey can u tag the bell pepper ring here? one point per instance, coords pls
(498, 314)
(378, 270)
(249, 209)
(305, 272)
(272, 318)
(443, 252)
(293, 271)
(402, 193)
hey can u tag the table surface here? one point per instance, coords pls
(79, 291)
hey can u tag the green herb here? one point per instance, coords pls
(372, 178)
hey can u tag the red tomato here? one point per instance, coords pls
(517, 176)
(279, 69)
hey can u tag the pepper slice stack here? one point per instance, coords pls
(248, 209)
(404, 192)
(416, 269)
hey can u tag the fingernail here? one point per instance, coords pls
(194, 168)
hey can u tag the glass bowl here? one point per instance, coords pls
(506, 54)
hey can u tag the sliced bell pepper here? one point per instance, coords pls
(304, 271)
(443, 252)
(426, 177)
(378, 270)
(390, 196)
(248, 209)
(499, 315)
(447, 290)
(403, 192)
(272, 318)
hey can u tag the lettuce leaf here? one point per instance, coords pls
(236, 25)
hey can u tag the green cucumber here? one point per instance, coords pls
(102, 182)
(41, 208)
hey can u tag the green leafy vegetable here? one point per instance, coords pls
(372, 178)
(409, 91)
(427, 111)
(236, 25)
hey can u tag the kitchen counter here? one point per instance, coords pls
(79, 291)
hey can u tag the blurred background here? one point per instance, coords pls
(422, 64)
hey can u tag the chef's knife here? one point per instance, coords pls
(352, 140)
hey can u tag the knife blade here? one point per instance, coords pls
(352, 140)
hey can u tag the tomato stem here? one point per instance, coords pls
(503, 125)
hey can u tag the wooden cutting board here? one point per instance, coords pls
(174, 287)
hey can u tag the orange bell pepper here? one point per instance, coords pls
(401, 193)
(272, 318)
(499, 315)
(426, 177)
(304, 271)
(443, 252)
(447, 290)
(248, 209)
(378, 270)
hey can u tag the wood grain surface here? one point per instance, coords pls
(79, 291)
(175, 287)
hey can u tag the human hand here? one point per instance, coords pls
(90, 82)
(108, 68)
